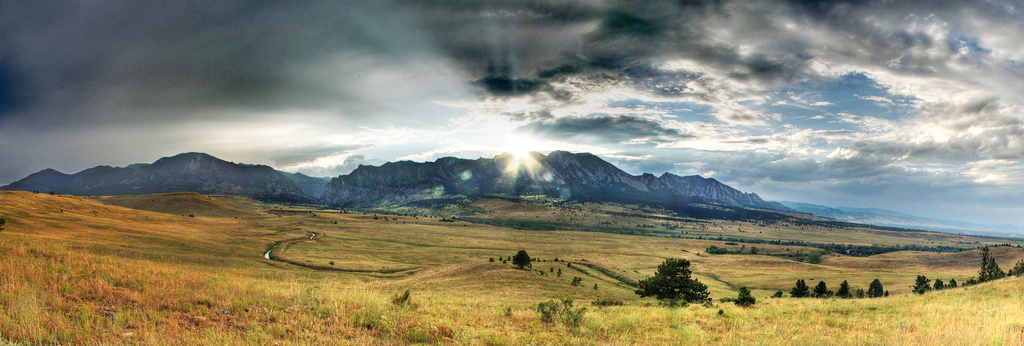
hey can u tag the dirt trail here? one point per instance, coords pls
(275, 253)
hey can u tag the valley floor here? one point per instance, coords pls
(78, 270)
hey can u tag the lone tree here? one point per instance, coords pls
(800, 290)
(672, 283)
(522, 260)
(745, 298)
(989, 268)
(821, 291)
(844, 290)
(875, 290)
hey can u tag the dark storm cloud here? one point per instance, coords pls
(603, 129)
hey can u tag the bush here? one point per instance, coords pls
(672, 283)
(778, 294)
(745, 299)
(402, 299)
(551, 312)
(2, 223)
(607, 302)
(576, 281)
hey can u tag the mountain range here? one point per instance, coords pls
(196, 172)
(572, 176)
(882, 217)
(575, 176)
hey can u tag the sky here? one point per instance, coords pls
(913, 106)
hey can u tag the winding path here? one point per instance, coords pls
(271, 255)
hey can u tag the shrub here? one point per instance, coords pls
(606, 302)
(672, 283)
(490, 259)
(402, 299)
(952, 283)
(938, 285)
(576, 281)
(2, 223)
(745, 298)
(859, 293)
(563, 312)
(778, 294)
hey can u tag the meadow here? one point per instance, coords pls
(187, 268)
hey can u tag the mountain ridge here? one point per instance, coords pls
(576, 176)
(196, 172)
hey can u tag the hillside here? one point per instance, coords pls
(569, 176)
(179, 203)
(78, 271)
(189, 172)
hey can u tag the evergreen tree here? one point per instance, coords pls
(800, 290)
(745, 299)
(952, 283)
(522, 260)
(859, 293)
(672, 283)
(778, 294)
(821, 291)
(938, 285)
(989, 268)
(922, 285)
(1017, 269)
(875, 290)
(844, 290)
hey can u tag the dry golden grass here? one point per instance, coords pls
(74, 270)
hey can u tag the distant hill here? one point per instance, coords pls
(188, 172)
(582, 176)
(179, 203)
(882, 217)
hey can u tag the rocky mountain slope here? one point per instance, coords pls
(582, 176)
(196, 172)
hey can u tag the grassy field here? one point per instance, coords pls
(141, 270)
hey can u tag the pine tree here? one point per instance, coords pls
(875, 290)
(989, 268)
(844, 290)
(938, 285)
(1017, 269)
(672, 283)
(821, 291)
(922, 285)
(800, 290)
(745, 298)
(952, 283)
(522, 260)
